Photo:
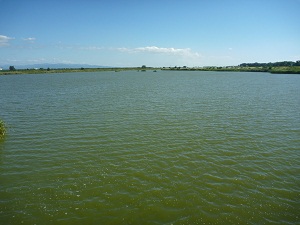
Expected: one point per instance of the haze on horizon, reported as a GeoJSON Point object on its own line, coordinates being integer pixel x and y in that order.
{"type": "Point", "coordinates": [153, 33]}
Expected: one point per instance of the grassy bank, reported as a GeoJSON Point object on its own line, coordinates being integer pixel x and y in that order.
{"type": "Point", "coordinates": [293, 69]}
{"type": "Point", "coordinates": [279, 69]}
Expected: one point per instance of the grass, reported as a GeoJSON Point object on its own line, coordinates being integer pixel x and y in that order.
{"type": "Point", "coordinates": [2, 130]}
{"type": "Point", "coordinates": [285, 69]}
{"type": "Point", "coordinates": [277, 69]}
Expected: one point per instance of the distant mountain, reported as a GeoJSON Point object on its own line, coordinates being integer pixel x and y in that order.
{"type": "Point", "coordinates": [53, 66]}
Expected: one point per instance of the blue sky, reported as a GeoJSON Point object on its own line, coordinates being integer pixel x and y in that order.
{"type": "Point", "coordinates": [152, 33]}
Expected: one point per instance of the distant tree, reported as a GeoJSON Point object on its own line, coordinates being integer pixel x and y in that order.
{"type": "Point", "coordinates": [143, 68]}
{"type": "Point", "coordinates": [12, 68]}
{"type": "Point", "coordinates": [48, 69]}
{"type": "Point", "coordinates": [275, 64]}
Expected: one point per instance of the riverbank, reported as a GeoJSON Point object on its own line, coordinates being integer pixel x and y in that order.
{"type": "Point", "coordinates": [73, 70]}
{"type": "Point", "coordinates": [275, 70]}
{"type": "Point", "coordinates": [278, 70]}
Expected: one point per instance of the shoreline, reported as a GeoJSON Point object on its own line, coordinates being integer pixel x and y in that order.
{"type": "Point", "coordinates": [71, 70]}
{"type": "Point", "coordinates": [272, 70]}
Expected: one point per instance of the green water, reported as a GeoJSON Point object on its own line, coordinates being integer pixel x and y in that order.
{"type": "Point", "coordinates": [150, 148]}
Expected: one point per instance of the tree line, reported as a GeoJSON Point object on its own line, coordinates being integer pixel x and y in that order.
{"type": "Point", "coordinates": [270, 64]}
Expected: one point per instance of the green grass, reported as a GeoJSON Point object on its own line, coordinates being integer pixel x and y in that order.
{"type": "Point", "coordinates": [277, 69]}
{"type": "Point", "coordinates": [2, 129]}
{"type": "Point", "coordinates": [285, 69]}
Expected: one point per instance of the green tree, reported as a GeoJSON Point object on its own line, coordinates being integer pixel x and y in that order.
{"type": "Point", "coordinates": [143, 68]}
{"type": "Point", "coordinates": [12, 68]}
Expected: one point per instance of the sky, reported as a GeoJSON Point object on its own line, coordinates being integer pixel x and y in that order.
{"type": "Point", "coordinates": [156, 33]}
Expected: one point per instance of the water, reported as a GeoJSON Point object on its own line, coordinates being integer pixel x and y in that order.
{"type": "Point", "coordinates": [150, 148]}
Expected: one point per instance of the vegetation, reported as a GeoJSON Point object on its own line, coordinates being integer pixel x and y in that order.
{"type": "Point", "coordinates": [144, 68]}
{"type": "Point", "coordinates": [68, 70]}
{"type": "Point", "coordinates": [278, 67]}
{"type": "Point", "coordinates": [12, 68]}
{"type": "Point", "coordinates": [276, 64]}
{"type": "Point", "coordinates": [2, 130]}
{"type": "Point", "coordinates": [281, 69]}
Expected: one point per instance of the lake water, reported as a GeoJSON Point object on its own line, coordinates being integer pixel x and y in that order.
{"type": "Point", "coordinates": [150, 148]}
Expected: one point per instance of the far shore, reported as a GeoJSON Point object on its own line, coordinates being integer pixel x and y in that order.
{"type": "Point", "coordinates": [275, 69]}
{"type": "Point", "coordinates": [71, 70]}
{"type": "Point", "coordinates": [278, 70]}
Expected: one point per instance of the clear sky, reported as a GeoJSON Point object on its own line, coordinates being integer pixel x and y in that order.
{"type": "Point", "coordinates": [149, 32]}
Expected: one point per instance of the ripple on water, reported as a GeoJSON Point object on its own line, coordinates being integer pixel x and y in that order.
{"type": "Point", "coordinates": [161, 149]}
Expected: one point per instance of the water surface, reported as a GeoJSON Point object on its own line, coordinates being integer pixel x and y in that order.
{"type": "Point", "coordinates": [150, 148]}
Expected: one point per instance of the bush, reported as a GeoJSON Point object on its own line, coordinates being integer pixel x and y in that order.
{"type": "Point", "coordinates": [2, 129]}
